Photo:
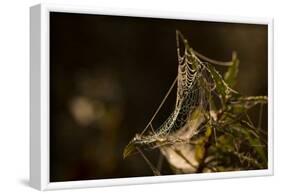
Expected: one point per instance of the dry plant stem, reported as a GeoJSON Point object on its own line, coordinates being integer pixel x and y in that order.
{"type": "Point", "coordinates": [249, 119]}
{"type": "Point", "coordinates": [160, 162]}
{"type": "Point", "coordinates": [185, 159]}
{"type": "Point", "coordinates": [152, 128]}
{"type": "Point", "coordinates": [154, 170]}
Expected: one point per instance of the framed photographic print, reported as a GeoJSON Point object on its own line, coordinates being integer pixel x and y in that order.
{"type": "Point", "coordinates": [124, 96]}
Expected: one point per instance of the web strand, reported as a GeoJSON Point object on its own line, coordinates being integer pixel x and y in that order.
{"type": "Point", "coordinates": [160, 106]}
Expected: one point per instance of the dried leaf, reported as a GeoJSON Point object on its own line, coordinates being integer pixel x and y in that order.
{"type": "Point", "coordinates": [129, 149]}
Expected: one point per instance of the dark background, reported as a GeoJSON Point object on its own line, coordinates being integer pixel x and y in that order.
{"type": "Point", "coordinates": [108, 74]}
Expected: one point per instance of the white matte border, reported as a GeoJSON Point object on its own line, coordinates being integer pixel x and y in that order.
{"type": "Point", "coordinates": [43, 158]}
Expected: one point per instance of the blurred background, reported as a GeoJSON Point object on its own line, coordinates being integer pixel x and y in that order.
{"type": "Point", "coordinates": [108, 74]}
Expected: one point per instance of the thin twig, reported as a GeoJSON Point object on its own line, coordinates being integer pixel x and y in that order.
{"type": "Point", "coordinates": [154, 170]}
{"type": "Point", "coordinates": [160, 162]}
{"type": "Point", "coordinates": [249, 119]}
{"type": "Point", "coordinates": [184, 158]}
{"type": "Point", "coordinates": [152, 128]}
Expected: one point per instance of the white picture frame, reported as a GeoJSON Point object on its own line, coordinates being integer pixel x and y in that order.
{"type": "Point", "coordinates": [39, 102]}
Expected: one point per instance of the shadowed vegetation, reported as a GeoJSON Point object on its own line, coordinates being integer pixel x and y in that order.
{"type": "Point", "coordinates": [210, 129]}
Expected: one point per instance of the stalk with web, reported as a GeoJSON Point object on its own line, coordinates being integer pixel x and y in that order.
{"type": "Point", "coordinates": [204, 132]}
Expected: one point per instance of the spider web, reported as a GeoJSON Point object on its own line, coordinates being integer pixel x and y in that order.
{"type": "Point", "coordinates": [193, 90]}
{"type": "Point", "coordinates": [199, 85]}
